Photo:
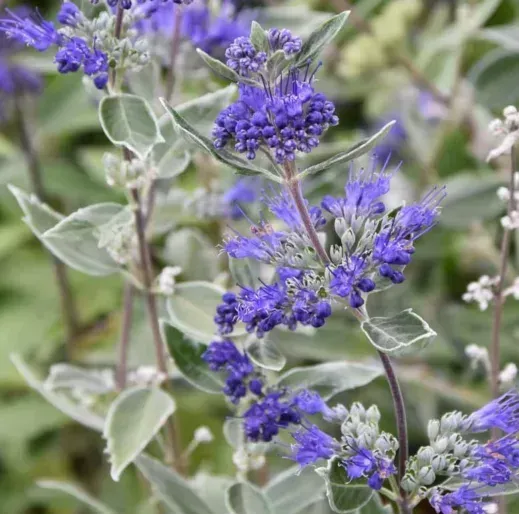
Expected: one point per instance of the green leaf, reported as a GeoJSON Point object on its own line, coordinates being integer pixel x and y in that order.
{"type": "Point", "coordinates": [355, 151]}
{"type": "Point", "coordinates": [76, 492]}
{"type": "Point", "coordinates": [76, 239]}
{"type": "Point", "coordinates": [505, 35]}
{"type": "Point", "coordinates": [259, 37]}
{"type": "Point", "coordinates": [330, 378]}
{"type": "Point", "coordinates": [171, 488]}
{"type": "Point", "coordinates": [294, 489]}
{"type": "Point", "coordinates": [193, 136]}
{"type": "Point", "coordinates": [75, 411]}
{"type": "Point", "coordinates": [132, 421]}
{"type": "Point", "coordinates": [192, 309]}
{"type": "Point", "coordinates": [265, 354]}
{"type": "Point", "coordinates": [188, 358]}
{"type": "Point", "coordinates": [245, 272]}
{"type": "Point", "coordinates": [244, 498]}
{"type": "Point", "coordinates": [402, 334]}
{"type": "Point", "coordinates": [174, 161]}
{"type": "Point", "coordinates": [128, 120]}
{"type": "Point", "coordinates": [68, 376]}
{"type": "Point", "coordinates": [342, 496]}
{"type": "Point", "coordinates": [320, 38]}
{"type": "Point", "coordinates": [471, 198]}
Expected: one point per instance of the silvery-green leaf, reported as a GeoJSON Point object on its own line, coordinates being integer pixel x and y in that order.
{"type": "Point", "coordinates": [233, 432]}
{"type": "Point", "coordinates": [187, 355]}
{"type": "Point", "coordinates": [128, 120]}
{"type": "Point", "coordinates": [320, 38]}
{"type": "Point", "coordinates": [171, 488]}
{"type": "Point", "coordinates": [245, 272]}
{"type": "Point", "coordinates": [330, 378]}
{"type": "Point", "coordinates": [244, 498]}
{"type": "Point", "coordinates": [505, 35]}
{"type": "Point", "coordinates": [343, 497]}
{"type": "Point", "coordinates": [76, 492]}
{"type": "Point", "coordinates": [68, 376]}
{"type": "Point", "coordinates": [294, 489]}
{"type": "Point", "coordinates": [242, 166]}
{"type": "Point", "coordinates": [352, 153]}
{"type": "Point", "coordinates": [174, 161]}
{"type": "Point", "coordinates": [297, 18]}
{"type": "Point", "coordinates": [471, 198]}
{"type": "Point", "coordinates": [401, 334]}
{"type": "Point", "coordinates": [194, 252]}
{"type": "Point", "coordinates": [506, 489]}
{"type": "Point", "coordinates": [259, 37]}
{"type": "Point", "coordinates": [224, 71]}
{"type": "Point", "coordinates": [265, 353]}
{"type": "Point", "coordinates": [192, 309]}
{"type": "Point", "coordinates": [212, 489]}
{"type": "Point", "coordinates": [76, 238]}
{"type": "Point", "coordinates": [77, 412]}
{"type": "Point", "coordinates": [132, 421]}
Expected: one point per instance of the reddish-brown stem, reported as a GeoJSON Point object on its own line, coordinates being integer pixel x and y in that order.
{"type": "Point", "coordinates": [119, 15]}
{"type": "Point", "coordinates": [124, 341]}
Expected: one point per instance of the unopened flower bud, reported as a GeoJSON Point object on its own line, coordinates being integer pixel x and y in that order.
{"type": "Point", "coordinates": [373, 414]}
{"type": "Point", "coordinates": [426, 475]}
{"type": "Point", "coordinates": [509, 111]}
{"type": "Point", "coordinates": [438, 463]}
{"type": "Point", "coordinates": [433, 429]}
{"type": "Point", "coordinates": [425, 455]}
{"type": "Point", "coordinates": [441, 444]}
{"type": "Point", "coordinates": [410, 483]}
{"type": "Point", "coordinates": [203, 434]}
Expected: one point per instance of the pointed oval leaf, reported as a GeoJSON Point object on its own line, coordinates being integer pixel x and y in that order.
{"type": "Point", "coordinates": [259, 37]}
{"type": "Point", "coordinates": [245, 272]}
{"type": "Point", "coordinates": [330, 378]}
{"type": "Point", "coordinates": [171, 488]}
{"type": "Point", "coordinates": [76, 492]}
{"type": "Point", "coordinates": [77, 412]}
{"type": "Point", "coordinates": [343, 497]}
{"type": "Point", "coordinates": [173, 162]}
{"type": "Point", "coordinates": [128, 120]}
{"type": "Point", "coordinates": [402, 334]}
{"type": "Point", "coordinates": [244, 498]}
{"type": "Point", "coordinates": [352, 153]}
{"type": "Point", "coordinates": [68, 376]}
{"type": "Point", "coordinates": [224, 71]}
{"type": "Point", "coordinates": [265, 354]}
{"type": "Point", "coordinates": [192, 309]}
{"type": "Point", "coordinates": [188, 358]}
{"type": "Point", "coordinates": [320, 38]}
{"type": "Point", "coordinates": [241, 166]}
{"type": "Point", "coordinates": [132, 421]}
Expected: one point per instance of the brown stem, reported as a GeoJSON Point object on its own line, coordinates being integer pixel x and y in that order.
{"type": "Point", "coordinates": [173, 54]}
{"type": "Point", "coordinates": [173, 454]}
{"type": "Point", "coordinates": [67, 301]}
{"type": "Point", "coordinates": [118, 28]}
{"type": "Point", "coordinates": [399, 58]}
{"type": "Point", "coordinates": [124, 341]}
{"type": "Point", "coordinates": [294, 187]}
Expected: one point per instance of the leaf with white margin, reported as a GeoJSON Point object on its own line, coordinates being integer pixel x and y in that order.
{"type": "Point", "coordinates": [177, 495]}
{"type": "Point", "coordinates": [343, 496]}
{"type": "Point", "coordinates": [76, 492]}
{"type": "Point", "coordinates": [192, 309]}
{"type": "Point", "coordinates": [68, 376]}
{"type": "Point", "coordinates": [330, 378]}
{"type": "Point", "coordinates": [132, 421]}
{"type": "Point", "coordinates": [244, 498]}
{"type": "Point", "coordinates": [128, 120]}
{"type": "Point", "coordinates": [265, 353]}
{"type": "Point", "coordinates": [351, 153]}
{"type": "Point", "coordinates": [75, 411]}
{"type": "Point", "coordinates": [402, 334]}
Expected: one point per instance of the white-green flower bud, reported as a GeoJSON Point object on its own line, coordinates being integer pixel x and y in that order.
{"type": "Point", "coordinates": [438, 462]}
{"type": "Point", "coordinates": [373, 414]}
{"type": "Point", "coordinates": [424, 455]}
{"type": "Point", "coordinates": [510, 110]}
{"type": "Point", "coordinates": [409, 483]}
{"type": "Point", "coordinates": [336, 254]}
{"type": "Point", "coordinates": [433, 429]}
{"type": "Point", "coordinates": [426, 475]}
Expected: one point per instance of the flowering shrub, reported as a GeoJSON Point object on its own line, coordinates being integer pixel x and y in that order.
{"type": "Point", "coordinates": [226, 279]}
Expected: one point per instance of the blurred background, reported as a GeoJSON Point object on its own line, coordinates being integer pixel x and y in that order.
{"type": "Point", "coordinates": [441, 69]}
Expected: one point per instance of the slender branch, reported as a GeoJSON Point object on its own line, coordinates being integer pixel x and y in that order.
{"type": "Point", "coordinates": [294, 187]}
{"type": "Point", "coordinates": [173, 54]}
{"type": "Point", "coordinates": [67, 301]}
{"type": "Point", "coordinates": [124, 341]}
{"type": "Point", "coordinates": [398, 57]}
{"type": "Point", "coordinates": [172, 443]}
{"type": "Point", "coordinates": [495, 347]}
{"type": "Point", "coordinates": [118, 28]}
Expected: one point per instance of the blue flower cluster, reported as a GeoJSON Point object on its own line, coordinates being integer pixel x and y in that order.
{"type": "Point", "coordinates": [482, 465]}
{"type": "Point", "coordinates": [243, 58]}
{"type": "Point", "coordinates": [284, 40]}
{"type": "Point", "coordinates": [286, 118]}
{"type": "Point", "coordinates": [244, 191]}
{"type": "Point", "coordinates": [271, 409]}
{"type": "Point", "coordinates": [127, 4]}
{"type": "Point", "coordinates": [208, 30]}
{"type": "Point", "coordinates": [73, 52]}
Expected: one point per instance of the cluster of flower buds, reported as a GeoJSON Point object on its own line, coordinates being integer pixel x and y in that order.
{"type": "Point", "coordinates": [166, 281]}
{"type": "Point", "coordinates": [482, 291]}
{"type": "Point", "coordinates": [121, 173]}
{"type": "Point", "coordinates": [119, 240]}
{"type": "Point", "coordinates": [507, 129]}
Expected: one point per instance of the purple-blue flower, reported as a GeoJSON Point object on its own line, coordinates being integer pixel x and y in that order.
{"type": "Point", "coordinates": [69, 14]}
{"type": "Point", "coordinates": [466, 497]}
{"type": "Point", "coordinates": [502, 413]}
{"type": "Point", "coordinates": [243, 58]}
{"type": "Point", "coordinates": [366, 464]}
{"type": "Point", "coordinates": [349, 281]}
{"type": "Point", "coordinates": [284, 40]}
{"type": "Point", "coordinates": [312, 444]}
{"type": "Point", "coordinates": [243, 191]}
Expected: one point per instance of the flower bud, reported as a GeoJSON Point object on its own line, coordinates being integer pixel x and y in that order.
{"type": "Point", "coordinates": [409, 483]}
{"type": "Point", "coordinates": [433, 429]}
{"type": "Point", "coordinates": [438, 462]}
{"type": "Point", "coordinates": [203, 434]}
{"type": "Point", "coordinates": [373, 414]}
{"type": "Point", "coordinates": [424, 455]}
{"type": "Point", "coordinates": [426, 475]}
